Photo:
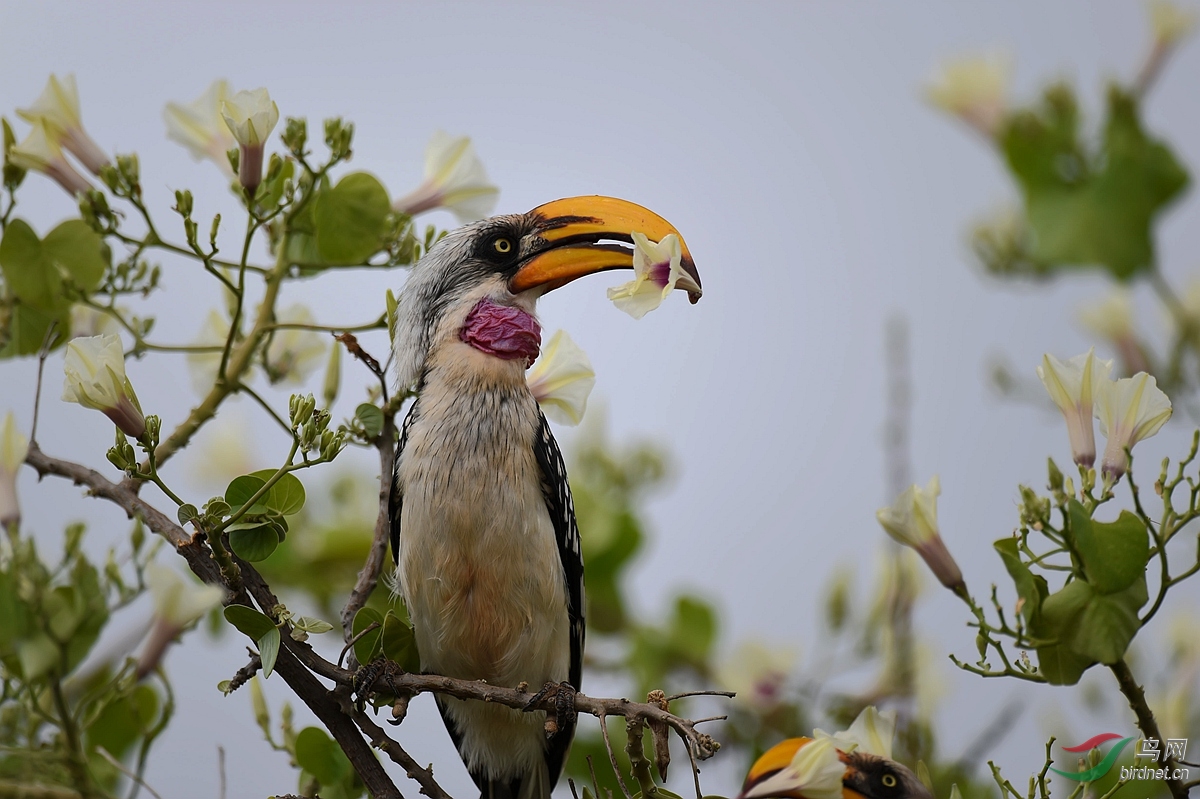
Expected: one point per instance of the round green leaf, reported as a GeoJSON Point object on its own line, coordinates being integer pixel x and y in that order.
{"type": "Point", "coordinates": [286, 496]}
{"type": "Point", "coordinates": [242, 488]}
{"type": "Point", "coordinates": [77, 249]}
{"type": "Point", "coordinates": [371, 418]}
{"type": "Point", "coordinates": [399, 644]}
{"type": "Point", "coordinates": [28, 272]}
{"type": "Point", "coordinates": [349, 219]}
{"type": "Point", "coordinates": [366, 648]}
{"type": "Point", "coordinates": [254, 542]}
{"type": "Point", "coordinates": [317, 754]}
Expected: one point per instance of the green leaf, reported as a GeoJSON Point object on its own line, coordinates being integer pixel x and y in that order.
{"type": "Point", "coordinates": [241, 489]}
{"type": "Point", "coordinates": [317, 754]}
{"type": "Point", "coordinates": [1084, 208]}
{"type": "Point", "coordinates": [693, 628]}
{"type": "Point", "coordinates": [1114, 553]}
{"type": "Point", "coordinates": [1030, 587]}
{"type": "Point", "coordinates": [259, 627]}
{"type": "Point", "coordinates": [371, 418]}
{"type": "Point", "coordinates": [37, 655]}
{"type": "Point", "coordinates": [349, 219]}
{"type": "Point", "coordinates": [1109, 623]}
{"type": "Point", "coordinates": [1058, 661]}
{"type": "Point", "coordinates": [310, 625]}
{"type": "Point", "coordinates": [253, 541]}
{"type": "Point", "coordinates": [187, 512]}
{"type": "Point", "coordinates": [399, 644]}
{"type": "Point", "coordinates": [34, 269]}
{"type": "Point", "coordinates": [74, 247]}
{"type": "Point", "coordinates": [286, 496]}
{"type": "Point", "coordinates": [367, 648]}
{"type": "Point", "coordinates": [124, 721]}
{"type": "Point", "coordinates": [25, 330]}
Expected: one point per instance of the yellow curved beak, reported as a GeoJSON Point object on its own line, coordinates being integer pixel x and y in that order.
{"type": "Point", "coordinates": [582, 235]}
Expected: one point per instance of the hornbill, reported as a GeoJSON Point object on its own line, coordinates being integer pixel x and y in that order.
{"type": "Point", "coordinates": [867, 776]}
{"type": "Point", "coordinates": [483, 527]}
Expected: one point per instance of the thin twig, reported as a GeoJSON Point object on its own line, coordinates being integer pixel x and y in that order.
{"type": "Point", "coordinates": [726, 694]}
{"type": "Point", "coordinates": [381, 741]}
{"type": "Point", "coordinates": [43, 354]}
{"type": "Point", "coordinates": [221, 768]}
{"type": "Point", "coordinates": [119, 766]}
{"type": "Point", "coordinates": [612, 757]}
{"type": "Point", "coordinates": [368, 576]}
{"type": "Point", "coordinates": [372, 626]}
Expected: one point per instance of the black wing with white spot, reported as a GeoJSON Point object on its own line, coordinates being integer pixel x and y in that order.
{"type": "Point", "coordinates": [557, 493]}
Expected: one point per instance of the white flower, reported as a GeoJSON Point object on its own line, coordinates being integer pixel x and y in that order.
{"type": "Point", "coordinates": [758, 674]}
{"type": "Point", "coordinates": [13, 449]}
{"type": "Point", "coordinates": [1073, 386]}
{"type": "Point", "coordinates": [815, 771]}
{"type": "Point", "coordinates": [294, 353]}
{"type": "Point", "coordinates": [1130, 409]}
{"type": "Point", "coordinates": [251, 116]}
{"type": "Point", "coordinates": [871, 732]}
{"type": "Point", "coordinates": [974, 88]}
{"type": "Point", "coordinates": [58, 109]}
{"type": "Point", "coordinates": [95, 378]}
{"type": "Point", "coordinates": [200, 128]}
{"type": "Point", "coordinates": [1111, 317]}
{"type": "Point", "coordinates": [41, 151]}
{"type": "Point", "coordinates": [1169, 22]}
{"type": "Point", "coordinates": [88, 321]}
{"type": "Point", "coordinates": [205, 365]}
{"type": "Point", "coordinates": [657, 269]}
{"type": "Point", "coordinates": [561, 379]}
{"type": "Point", "coordinates": [454, 179]}
{"type": "Point", "coordinates": [177, 600]}
{"type": "Point", "coordinates": [912, 521]}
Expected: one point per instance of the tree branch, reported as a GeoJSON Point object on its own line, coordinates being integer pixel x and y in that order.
{"type": "Point", "coordinates": [368, 577]}
{"type": "Point", "coordinates": [1146, 722]}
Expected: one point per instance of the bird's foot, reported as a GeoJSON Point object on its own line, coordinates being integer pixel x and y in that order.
{"type": "Point", "coordinates": [564, 705]}
{"type": "Point", "coordinates": [368, 677]}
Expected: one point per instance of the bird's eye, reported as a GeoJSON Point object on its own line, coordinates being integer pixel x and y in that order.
{"type": "Point", "coordinates": [889, 781]}
{"type": "Point", "coordinates": [502, 246]}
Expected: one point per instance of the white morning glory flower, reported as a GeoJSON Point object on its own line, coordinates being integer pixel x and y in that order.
{"type": "Point", "coordinates": [1130, 409]}
{"type": "Point", "coordinates": [58, 109]}
{"type": "Point", "coordinates": [561, 379]}
{"type": "Point", "coordinates": [200, 128]}
{"type": "Point", "coordinates": [95, 378]}
{"type": "Point", "coordinates": [454, 179]}
{"type": "Point", "coordinates": [1073, 386]}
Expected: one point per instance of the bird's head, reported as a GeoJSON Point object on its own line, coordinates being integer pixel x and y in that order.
{"type": "Point", "coordinates": [480, 283]}
{"type": "Point", "coordinates": [781, 774]}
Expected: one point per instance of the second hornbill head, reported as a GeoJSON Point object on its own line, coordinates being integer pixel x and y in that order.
{"type": "Point", "coordinates": [866, 776]}
{"type": "Point", "coordinates": [479, 284]}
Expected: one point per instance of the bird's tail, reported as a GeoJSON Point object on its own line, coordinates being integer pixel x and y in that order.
{"type": "Point", "coordinates": [532, 785]}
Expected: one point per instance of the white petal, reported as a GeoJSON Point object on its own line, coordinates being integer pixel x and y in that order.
{"type": "Point", "coordinates": [13, 446]}
{"type": "Point", "coordinates": [251, 116]}
{"type": "Point", "coordinates": [912, 518]}
{"type": "Point", "coordinates": [57, 106]}
{"type": "Point", "coordinates": [871, 732]}
{"type": "Point", "coordinates": [95, 372]}
{"type": "Point", "coordinates": [177, 600]}
{"type": "Point", "coordinates": [637, 298]}
{"type": "Point", "coordinates": [199, 126]}
{"type": "Point", "coordinates": [561, 379]}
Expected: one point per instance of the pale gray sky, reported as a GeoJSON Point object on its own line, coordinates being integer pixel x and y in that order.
{"type": "Point", "coordinates": [818, 193]}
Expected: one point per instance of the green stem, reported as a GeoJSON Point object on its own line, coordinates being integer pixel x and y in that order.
{"type": "Point", "coordinates": [639, 766]}
{"type": "Point", "coordinates": [262, 492]}
{"type": "Point", "coordinates": [76, 761]}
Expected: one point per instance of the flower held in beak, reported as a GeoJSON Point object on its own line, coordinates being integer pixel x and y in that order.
{"type": "Point", "coordinates": [656, 270]}
{"type": "Point", "coordinates": [95, 378]}
{"type": "Point", "coordinates": [815, 772]}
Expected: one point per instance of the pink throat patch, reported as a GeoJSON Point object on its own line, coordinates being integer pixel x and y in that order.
{"type": "Point", "coordinates": [503, 331]}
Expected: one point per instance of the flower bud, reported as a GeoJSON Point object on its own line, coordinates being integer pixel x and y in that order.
{"type": "Point", "coordinates": [95, 378]}
{"type": "Point", "coordinates": [251, 116]}
{"type": "Point", "coordinates": [13, 449]}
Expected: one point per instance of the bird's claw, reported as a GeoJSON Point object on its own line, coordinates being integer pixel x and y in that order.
{"type": "Point", "coordinates": [365, 679]}
{"type": "Point", "coordinates": [564, 705]}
